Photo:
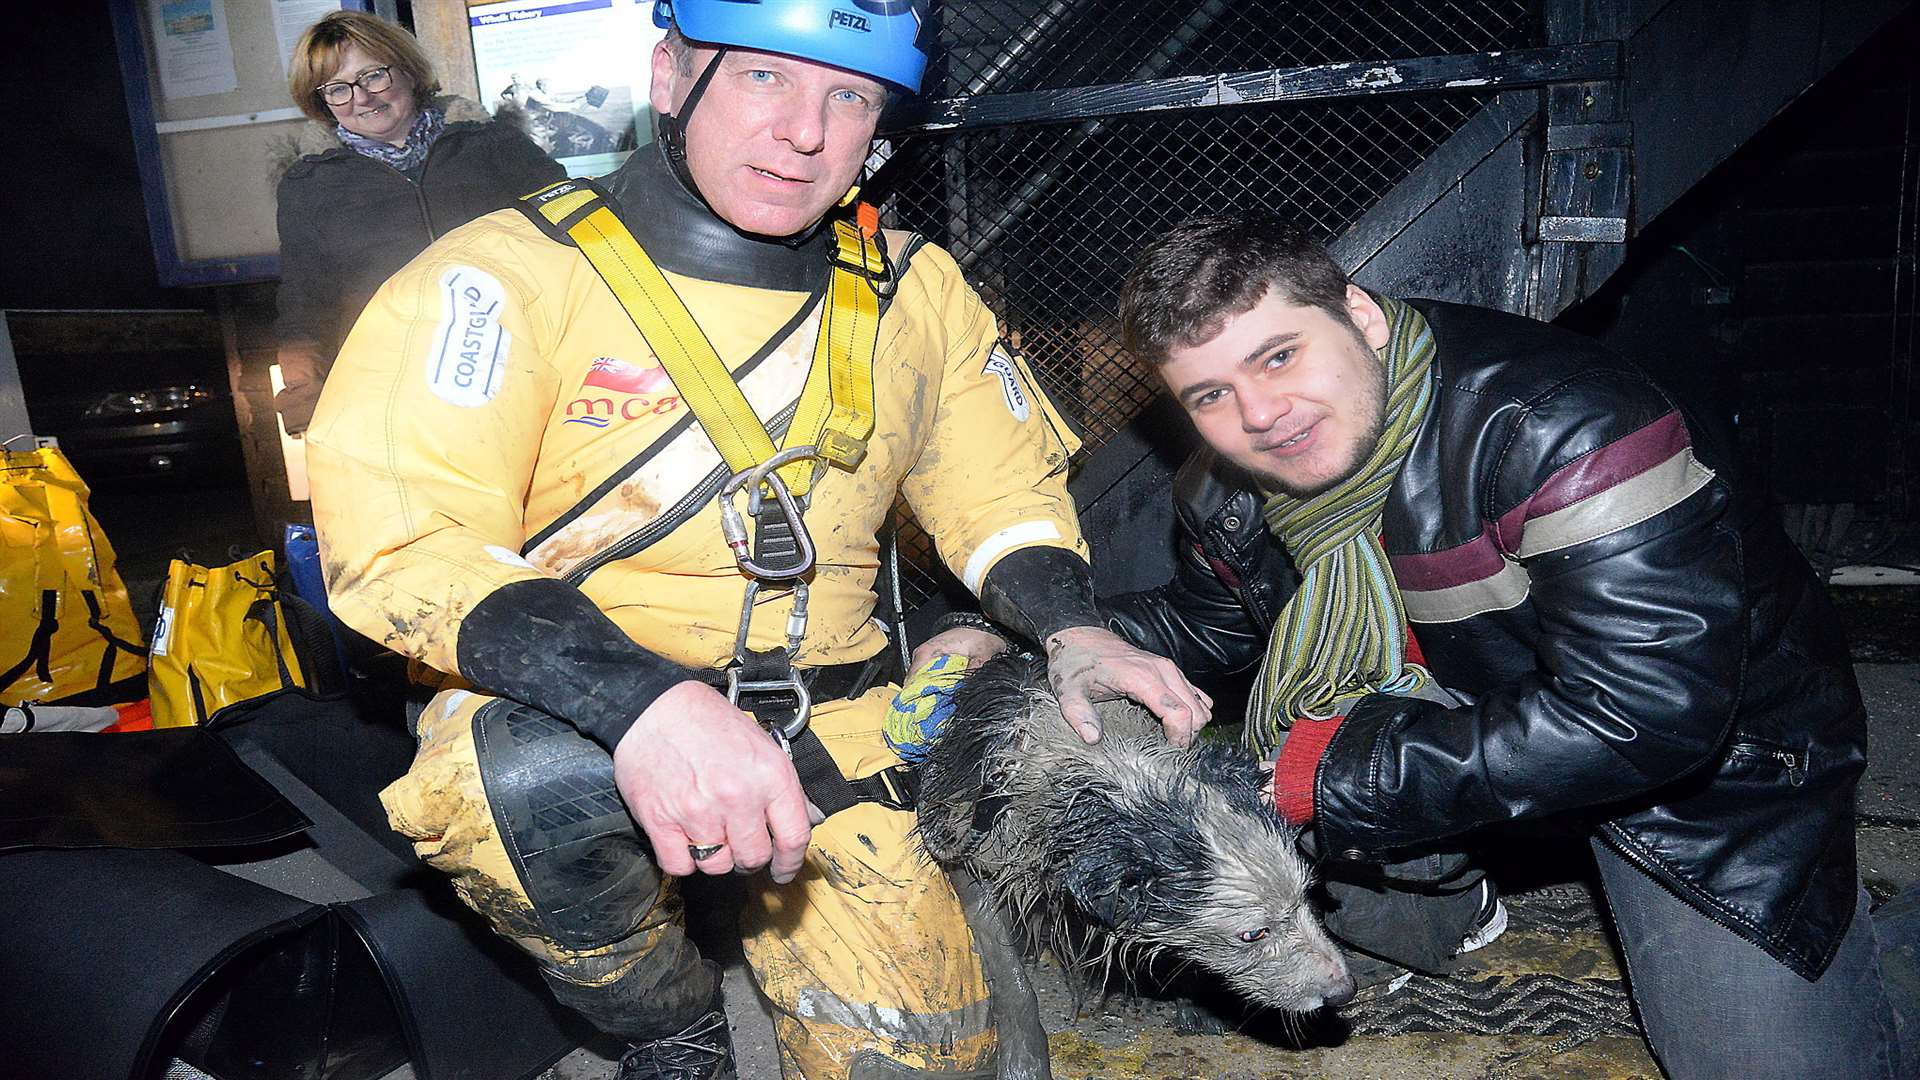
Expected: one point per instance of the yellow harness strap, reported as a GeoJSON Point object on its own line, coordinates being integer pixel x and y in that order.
{"type": "Point", "coordinates": [836, 404]}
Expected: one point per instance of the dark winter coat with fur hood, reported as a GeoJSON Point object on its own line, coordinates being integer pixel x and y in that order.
{"type": "Point", "coordinates": [1644, 651]}
{"type": "Point", "coordinates": [347, 222]}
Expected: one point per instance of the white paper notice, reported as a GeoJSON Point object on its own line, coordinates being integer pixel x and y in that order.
{"type": "Point", "coordinates": [191, 48]}
{"type": "Point", "coordinates": [291, 19]}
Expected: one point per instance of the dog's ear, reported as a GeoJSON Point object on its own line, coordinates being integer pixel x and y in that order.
{"type": "Point", "coordinates": [1111, 880]}
{"type": "Point", "coordinates": [1109, 896]}
{"type": "Point", "coordinates": [1109, 876]}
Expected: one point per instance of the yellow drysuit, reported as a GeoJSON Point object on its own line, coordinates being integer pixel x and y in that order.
{"type": "Point", "coordinates": [494, 418]}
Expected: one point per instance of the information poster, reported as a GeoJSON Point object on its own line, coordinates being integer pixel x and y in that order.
{"type": "Point", "coordinates": [572, 74]}
{"type": "Point", "coordinates": [192, 49]}
{"type": "Point", "coordinates": [291, 19]}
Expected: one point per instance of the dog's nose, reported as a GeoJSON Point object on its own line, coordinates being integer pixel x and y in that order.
{"type": "Point", "coordinates": [1341, 992]}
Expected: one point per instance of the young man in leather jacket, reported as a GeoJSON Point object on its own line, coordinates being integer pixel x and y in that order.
{"type": "Point", "coordinates": [1626, 639]}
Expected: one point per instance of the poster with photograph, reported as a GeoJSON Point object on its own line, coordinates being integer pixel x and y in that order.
{"type": "Point", "coordinates": [191, 48]}
{"type": "Point", "coordinates": [572, 74]}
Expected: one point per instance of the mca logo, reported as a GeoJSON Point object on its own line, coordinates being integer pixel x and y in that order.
{"type": "Point", "coordinates": [599, 412]}
{"type": "Point", "coordinates": [638, 387]}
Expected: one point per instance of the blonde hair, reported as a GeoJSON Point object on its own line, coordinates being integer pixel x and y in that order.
{"type": "Point", "coordinates": [318, 52]}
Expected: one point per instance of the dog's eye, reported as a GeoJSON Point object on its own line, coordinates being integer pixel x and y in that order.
{"type": "Point", "coordinates": [1251, 936]}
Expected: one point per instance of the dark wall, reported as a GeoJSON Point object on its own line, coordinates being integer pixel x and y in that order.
{"type": "Point", "coordinates": [1774, 294]}
{"type": "Point", "coordinates": [73, 225]}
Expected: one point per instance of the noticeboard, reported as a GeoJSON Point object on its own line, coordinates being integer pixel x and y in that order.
{"type": "Point", "coordinates": [572, 74]}
{"type": "Point", "coordinates": [206, 86]}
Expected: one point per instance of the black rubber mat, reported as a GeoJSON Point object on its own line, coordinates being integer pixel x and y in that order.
{"type": "Point", "coordinates": [1494, 994]}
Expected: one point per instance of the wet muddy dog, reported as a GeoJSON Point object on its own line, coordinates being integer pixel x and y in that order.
{"type": "Point", "coordinates": [1150, 848]}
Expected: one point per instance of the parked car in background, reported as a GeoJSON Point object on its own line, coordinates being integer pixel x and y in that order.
{"type": "Point", "coordinates": [134, 397]}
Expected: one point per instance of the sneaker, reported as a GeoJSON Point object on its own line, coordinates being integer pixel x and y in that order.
{"type": "Point", "coordinates": [1489, 924]}
{"type": "Point", "coordinates": [703, 1050]}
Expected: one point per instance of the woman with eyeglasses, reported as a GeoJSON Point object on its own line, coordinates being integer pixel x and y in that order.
{"type": "Point", "coordinates": [388, 165]}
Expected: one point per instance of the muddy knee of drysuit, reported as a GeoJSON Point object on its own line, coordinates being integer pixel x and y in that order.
{"type": "Point", "coordinates": [520, 810]}
{"type": "Point", "coordinates": [637, 998]}
{"type": "Point", "coordinates": [868, 952]}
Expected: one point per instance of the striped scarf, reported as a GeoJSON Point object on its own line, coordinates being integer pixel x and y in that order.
{"type": "Point", "coordinates": [406, 157]}
{"type": "Point", "coordinates": [1344, 632]}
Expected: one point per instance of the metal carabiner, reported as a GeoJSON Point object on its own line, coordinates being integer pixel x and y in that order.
{"type": "Point", "coordinates": [746, 621]}
{"type": "Point", "coordinates": [796, 619]}
{"type": "Point", "coordinates": [791, 683]}
{"type": "Point", "coordinates": [734, 528]}
{"type": "Point", "coordinates": [760, 479]}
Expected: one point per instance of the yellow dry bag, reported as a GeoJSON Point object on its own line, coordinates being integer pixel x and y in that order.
{"type": "Point", "coordinates": [226, 636]}
{"type": "Point", "coordinates": [67, 632]}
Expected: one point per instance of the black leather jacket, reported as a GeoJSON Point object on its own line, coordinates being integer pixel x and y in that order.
{"type": "Point", "coordinates": [1641, 643]}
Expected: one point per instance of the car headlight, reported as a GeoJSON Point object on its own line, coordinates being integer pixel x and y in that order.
{"type": "Point", "coordinates": [151, 400]}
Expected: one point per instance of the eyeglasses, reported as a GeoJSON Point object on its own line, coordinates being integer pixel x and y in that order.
{"type": "Point", "coordinates": [377, 81]}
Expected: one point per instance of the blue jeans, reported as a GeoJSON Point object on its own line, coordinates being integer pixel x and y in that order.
{"type": "Point", "coordinates": [1715, 1005]}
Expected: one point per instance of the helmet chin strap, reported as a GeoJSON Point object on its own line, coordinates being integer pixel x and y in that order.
{"type": "Point", "coordinates": [673, 130]}
{"type": "Point", "coordinates": [672, 133]}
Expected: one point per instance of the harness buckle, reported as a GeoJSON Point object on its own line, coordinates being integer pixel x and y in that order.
{"type": "Point", "coordinates": [857, 249]}
{"type": "Point", "coordinates": [792, 686]}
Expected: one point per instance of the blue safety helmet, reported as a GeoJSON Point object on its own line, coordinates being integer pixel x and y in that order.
{"type": "Point", "coordinates": [877, 38]}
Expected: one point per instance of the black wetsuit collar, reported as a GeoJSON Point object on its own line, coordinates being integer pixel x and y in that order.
{"type": "Point", "coordinates": [684, 237]}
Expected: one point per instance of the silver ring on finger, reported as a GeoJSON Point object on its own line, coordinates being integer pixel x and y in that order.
{"type": "Point", "coordinates": [703, 852]}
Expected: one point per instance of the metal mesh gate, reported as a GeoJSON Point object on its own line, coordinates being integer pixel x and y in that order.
{"type": "Point", "coordinates": [1045, 218]}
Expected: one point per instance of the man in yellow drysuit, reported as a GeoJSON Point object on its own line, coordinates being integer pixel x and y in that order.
{"type": "Point", "coordinates": [515, 485]}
